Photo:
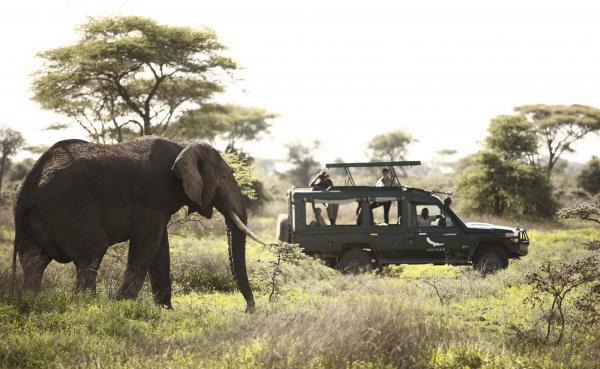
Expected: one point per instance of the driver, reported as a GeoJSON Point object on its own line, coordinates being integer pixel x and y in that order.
{"type": "Point", "coordinates": [424, 218]}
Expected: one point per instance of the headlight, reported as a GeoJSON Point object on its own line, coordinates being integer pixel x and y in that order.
{"type": "Point", "coordinates": [514, 237]}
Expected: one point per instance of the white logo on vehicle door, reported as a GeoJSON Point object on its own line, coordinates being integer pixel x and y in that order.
{"type": "Point", "coordinates": [434, 244]}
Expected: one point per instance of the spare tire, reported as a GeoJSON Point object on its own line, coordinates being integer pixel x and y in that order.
{"type": "Point", "coordinates": [283, 227]}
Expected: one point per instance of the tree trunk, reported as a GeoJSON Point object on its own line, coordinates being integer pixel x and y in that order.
{"type": "Point", "coordinates": [2, 168]}
{"type": "Point", "coordinates": [147, 127]}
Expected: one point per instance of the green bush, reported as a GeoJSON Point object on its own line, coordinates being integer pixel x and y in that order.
{"type": "Point", "coordinates": [589, 177]}
{"type": "Point", "coordinates": [497, 186]}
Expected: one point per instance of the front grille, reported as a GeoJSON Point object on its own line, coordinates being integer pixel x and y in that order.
{"type": "Point", "coordinates": [523, 236]}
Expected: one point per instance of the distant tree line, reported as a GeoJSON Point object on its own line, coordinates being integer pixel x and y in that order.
{"type": "Point", "coordinates": [512, 174]}
{"type": "Point", "coordinates": [130, 76]}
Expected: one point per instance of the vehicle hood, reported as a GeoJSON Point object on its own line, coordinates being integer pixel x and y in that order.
{"type": "Point", "coordinates": [490, 228]}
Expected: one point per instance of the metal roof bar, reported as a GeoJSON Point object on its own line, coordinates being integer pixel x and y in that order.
{"type": "Point", "coordinates": [374, 164]}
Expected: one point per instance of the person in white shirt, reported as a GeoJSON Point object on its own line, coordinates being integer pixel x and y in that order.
{"type": "Point", "coordinates": [385, 181]}
{"type": "Point", "coordinates": [424, 219]}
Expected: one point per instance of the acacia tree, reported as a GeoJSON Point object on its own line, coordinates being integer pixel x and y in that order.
{"type": "Point", "coordinates": [513, 137]}
{"type": "Point", "coordinates": [589, 177]}
{"type": "Point", "coordinates": [10, 142]}
{"type": "Point", "coordinates": [505, 176]}
{"type": "Point", "coordinates": [559, 126]}
{"type": "Point", "coordinates": [304, 164]}
{"type": "Point", "coordinates": [232, 123]}
{"type": "Point", "coordinates": [589, 211]}
{"type": "Point", "coordinates": [130, 75]}
{"type": "Point", "coordinates": [493, 185]}
{"type": "Point", "coordinates": [392, 145]}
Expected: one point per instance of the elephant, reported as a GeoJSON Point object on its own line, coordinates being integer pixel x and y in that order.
{"type": "Point", "coordinates": [80, 198]}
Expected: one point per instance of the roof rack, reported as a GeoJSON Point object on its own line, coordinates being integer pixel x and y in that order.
{"type": "Point", "coordinates": [388, 164]}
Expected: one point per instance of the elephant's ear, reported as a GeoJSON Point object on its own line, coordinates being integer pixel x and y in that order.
{"type": "Point", "coordinates": [187, 168]}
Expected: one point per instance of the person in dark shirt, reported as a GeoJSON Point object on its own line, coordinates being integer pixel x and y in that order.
{"type": "Point", "coordinates": [323, 182]}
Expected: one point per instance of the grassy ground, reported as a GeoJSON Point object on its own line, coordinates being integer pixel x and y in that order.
{"type": "Point", "coordinates": [410, 317]}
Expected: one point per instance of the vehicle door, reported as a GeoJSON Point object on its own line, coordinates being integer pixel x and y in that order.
{"type": "Point", "coordinates": [315, 233]}
{"type": "Point", "coordinates": [387, 238]}
{"type": "Point", "coordinates": [430, 233]}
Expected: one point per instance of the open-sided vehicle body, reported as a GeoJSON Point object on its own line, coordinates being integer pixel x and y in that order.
{"type": "Point", "coordinates": [358, 240]}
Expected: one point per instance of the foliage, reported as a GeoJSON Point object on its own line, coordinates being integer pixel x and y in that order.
{"type": "Point", "coordinates": [19, 170]}
{"type": "Point", "coordinates": [589, 177]}
{"type": "Point", "coordinates": [130, 74]}
{"type": "Point", "coordinates": [10, 142]}
{"type": "Point", "coordinates": [232, 123]}
{"type": "Point", "coordinates": [244, 174]}
{"type": "Point", "coordinates": [390, 146]}
{"type": "Point", "coordinates": [285, 253]}
{"type": "Point", "coordinates": [497, 186]}
{"type": "Point", "coordinates": [301, 157]}
{"type": "Point", "coordinates": [257, 195]}
{"type": "Point", "coordinates": [589, 211]}
{"type": "Point", "coordinates": [513, 137]}
{"type": "Point", "coordinates": [559, 280]}
{"type": "Point", "coordinates": [559, 126]}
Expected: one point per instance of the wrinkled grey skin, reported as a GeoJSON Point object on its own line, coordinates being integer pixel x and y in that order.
{"type": "Point", "coordinates": [80, 198]}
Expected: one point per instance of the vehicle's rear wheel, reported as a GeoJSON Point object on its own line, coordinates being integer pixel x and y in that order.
{"type": "Point", "coordinates": [355, 261]}
{"type": "Point", "coordinates": [283, 228]}
{"type": "Point", "coordinates": [489, 260]}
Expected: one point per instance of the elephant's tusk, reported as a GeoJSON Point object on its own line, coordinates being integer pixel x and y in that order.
{"type": "Point", "coordinates": [238, 222]}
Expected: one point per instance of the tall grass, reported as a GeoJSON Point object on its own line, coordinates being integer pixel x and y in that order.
{"type": "Point", "coordinates": [324, 320]}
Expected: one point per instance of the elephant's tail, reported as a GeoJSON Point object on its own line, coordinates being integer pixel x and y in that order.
{"type": "Point", "coordinates": [13, 280]}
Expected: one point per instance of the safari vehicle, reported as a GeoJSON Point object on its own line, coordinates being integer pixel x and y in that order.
{"type": "Point", "coordinates": [358, 241]}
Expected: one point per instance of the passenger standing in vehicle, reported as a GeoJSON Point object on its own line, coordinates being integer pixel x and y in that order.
{"type": "Point", "coordinates": [323, 182]}
{"type": "Point", "coordinates": [385, 181]}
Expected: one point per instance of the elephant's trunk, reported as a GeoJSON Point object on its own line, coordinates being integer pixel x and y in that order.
{"type": "Point", "coordinates": [236, 239]}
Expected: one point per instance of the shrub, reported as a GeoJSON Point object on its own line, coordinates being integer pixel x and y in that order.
{"type": "Point", "coordinates": [497, 186]}
{"type": "Point", "coordinates": [553, 282]}
{"type": "Point", "coordinates": [589, 177]}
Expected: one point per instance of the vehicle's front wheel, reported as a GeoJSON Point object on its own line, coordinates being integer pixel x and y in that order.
{"type": "Point", "coordinates": [489, 260]}
{"type": "Point", "coordinates": [355, 261]}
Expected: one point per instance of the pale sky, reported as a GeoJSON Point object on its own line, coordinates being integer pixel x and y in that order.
{"type": "Point", "coordinates": [343, 71]}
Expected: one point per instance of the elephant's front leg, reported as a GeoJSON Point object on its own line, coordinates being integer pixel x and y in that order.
{"type": "Point", "coordinates": [160, 279]}
{"type": "Point", "coordinates": [144, 245]}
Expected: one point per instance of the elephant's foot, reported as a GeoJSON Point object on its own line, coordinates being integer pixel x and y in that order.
{"type": "Point", "coordinates": [131, 286]}
{"type": "Point", "coordinates": [86, 277]}
{"type": "Point", "coordinates": [33, 265]}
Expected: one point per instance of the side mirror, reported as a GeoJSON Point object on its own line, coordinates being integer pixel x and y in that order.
{"type": "Point", "coordinates": [442, 222]}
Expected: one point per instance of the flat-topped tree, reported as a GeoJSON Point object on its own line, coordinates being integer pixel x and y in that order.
{"type": "Point", "coordinates": [559, 126]}
{"type": "Point", "coordinates": [131, 75]}
{"type": "Point", "coordinates": [231, 123]}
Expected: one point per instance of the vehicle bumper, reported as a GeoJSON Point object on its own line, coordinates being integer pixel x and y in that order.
{"type": "Point", "coordinates": [520, 248]}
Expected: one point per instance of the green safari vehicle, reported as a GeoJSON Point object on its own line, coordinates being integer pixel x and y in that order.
{"type": "Point", "coordinates": [359, 241]}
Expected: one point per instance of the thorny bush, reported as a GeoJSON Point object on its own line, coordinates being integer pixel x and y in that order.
{"type": "Point", "coordinates": [554, 281]}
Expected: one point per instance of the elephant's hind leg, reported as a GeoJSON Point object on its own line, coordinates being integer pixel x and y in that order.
{"type": "Point", "coordinates": [160, 280]}
{"type": "Point", "coordinates": [33, 261]}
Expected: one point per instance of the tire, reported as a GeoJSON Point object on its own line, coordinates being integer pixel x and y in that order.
{"type": "Point", "coordinates": [355, 261]}
{"type": "Point", "coordinates": [283, 228]}
{"type": "Point", "coordinates": [489, 260]}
